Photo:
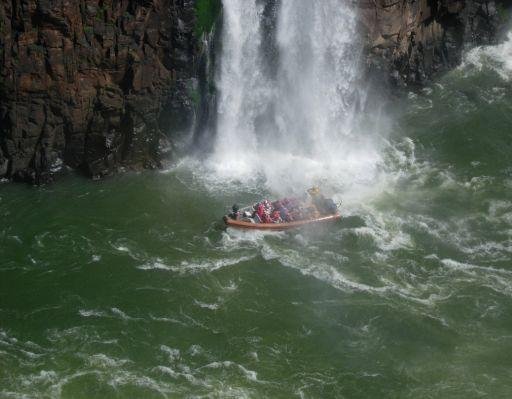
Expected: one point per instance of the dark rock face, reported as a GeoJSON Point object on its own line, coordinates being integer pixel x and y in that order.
{"type": "Point", "coordinates": [92, 84]}
{"type": "Point", "coordinates": [103, 85]}
{"type": "Point", "coordinates": [410, 40]}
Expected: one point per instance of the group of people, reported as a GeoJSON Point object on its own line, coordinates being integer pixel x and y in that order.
{"type": "Point", "coordinates": [287, 210]}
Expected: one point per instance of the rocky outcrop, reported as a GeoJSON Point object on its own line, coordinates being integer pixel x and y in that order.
{"type": "Point", "coordinates": [410, 40]}
{"type": "Point", "coordinates": [95, 85]}
{"type": "Point", "coordinates": [103, 85]}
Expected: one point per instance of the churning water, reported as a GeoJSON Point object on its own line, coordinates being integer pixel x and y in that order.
{"type": "Point", "coordinates": [130, 288]}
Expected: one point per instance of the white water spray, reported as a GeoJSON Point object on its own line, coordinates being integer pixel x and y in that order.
{"type": "Point", "coordinates": [497, 58]}
{"type": "Point", "coordinates": [299, 126]}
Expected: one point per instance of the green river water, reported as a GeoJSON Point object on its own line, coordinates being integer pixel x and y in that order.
{"type": "Point", "coordinates": [130, 287]}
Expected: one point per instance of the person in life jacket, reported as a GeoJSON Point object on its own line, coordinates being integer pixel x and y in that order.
{"type": "Point", "coordinates": [314, 191]}
{"type": "Point", "coordinates": [325, 206]}
{"type": "Point", "coordinates": [283, 211]}
{"type": "Point", "coordinates": [262, 213]}
{"type": "Point", "coordinates": [234, 212]}
{"type": "Point", "coordinates": [276, 217]}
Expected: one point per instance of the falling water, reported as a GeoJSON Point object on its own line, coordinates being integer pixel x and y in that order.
{"type": "Point", "coordinates": [301, 124]}
{"type": "Point", "coordinates": [244, 90]}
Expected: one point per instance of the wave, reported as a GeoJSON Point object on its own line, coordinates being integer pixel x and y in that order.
{"type": "Point", "coordinates": [249, 374]}
{"type": "Point", "coordinates": [112, 313]}
{"type": "Point", "coordinates": [186, 267]}
{"type": "Point", "coordinates": [497, 58]}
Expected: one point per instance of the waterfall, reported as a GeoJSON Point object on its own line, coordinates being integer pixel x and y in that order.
{"type": "Point", "coordinates": [290, 117]}
{"type": "Point", "coordinates": [318, 67]}
{"type": "Point", "coordinates": [244, 90]}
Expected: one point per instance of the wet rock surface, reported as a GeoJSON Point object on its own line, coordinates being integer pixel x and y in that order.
{"type": "Point", "coordinates": [101, 86]}
{"type": "Point", "coordinates": [85, 84]}
{"type": "Point", "coordinates": [411, 40]}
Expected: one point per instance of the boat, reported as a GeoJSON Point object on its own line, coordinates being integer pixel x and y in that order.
{"type": "Point", "coordinates": [247, 220]}
{"type": "Point", "coordinates": [241, 224]}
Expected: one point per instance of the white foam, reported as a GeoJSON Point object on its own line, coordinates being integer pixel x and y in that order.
{"type": "Point", "coordinates": [125, 248]}
{"type": "Point", "coordinates": [187, 376]}
{"type": "Point", "coordinates": [232, 286]}
{"type": "Point", "coordinates": [187, 267]}
{"type": "Point", "coordinates": [497, 58]}
{"type": "Point", "coordinates": [44, 377]}
{"type": "Point", "coordinates": [155, 265]}
{"type": "Point", "coordinates": [126, 378]}
{"type": "Point", "coordinates": [453, 264]}
{"type": "Point", "coordinates": [195, 350]}
{"type": "Point", "coordinates": [104, 361]}
{"type": "Point", "coordinates": [172, 354]}
{"type": "Point", "coordinates": [249, 374]}
{"type": "Point", "coordinates": [30, 355]}
{"type": "Point", "coordinates": [122, 315]}
{"type": "Point", "coordinates": [91, 313]}
{"type": "Point", "coordinates": [192, 266]}
{"type": "Point", "coordinates": [204, 305]}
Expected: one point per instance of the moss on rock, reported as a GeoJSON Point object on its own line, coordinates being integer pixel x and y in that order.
{"type": "Point", "coordinates": [207, 12]}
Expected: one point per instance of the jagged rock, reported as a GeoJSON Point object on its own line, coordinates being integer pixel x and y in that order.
{"type": "Point", "coordinates": [103, 85]}
{"type": "Point", "coordinates": [85, 83]}
{"type": "Point", "coordinates": [410, 40]}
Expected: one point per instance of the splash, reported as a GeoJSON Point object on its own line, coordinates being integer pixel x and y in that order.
{"type": "Point", "coordinates": [294, 118]}
{"type": "Point", "coordinates": [495, 58]}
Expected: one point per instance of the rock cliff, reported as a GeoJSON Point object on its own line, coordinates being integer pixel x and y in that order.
{"type": "Point", "coordinates": [95, 85]}
{"type": "Point", "coordinates": [410, 40]}
{"type": "Point", "coordinates": [103, 85]}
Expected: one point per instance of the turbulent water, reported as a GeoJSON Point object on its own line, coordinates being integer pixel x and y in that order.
{"type": "Point", "coordinates": [131, 288]}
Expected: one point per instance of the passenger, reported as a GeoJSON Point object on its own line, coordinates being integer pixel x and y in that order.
{"type": "Point", "coordinates": [325, 206]}
{"type": "Point", "coordinates": [234, 212]}
{"type": "Point", "coordinates": [329, 206]}
{"type": "Point", "coordinates": [283, 211]}
{"type": "Point", "coordinates": [260, 211]}
{"type": "Point", "coordinates": [293, 204]}
{"type": "Point", "coordinates": [266, 218]}
{"type": "Point", "coordinates": [288, 202]}
{"type": "Point", "coordinates": [276, 217]}
{"type": "Point", "coordinates": [268, 206]}
{"type": "Point", "coordinates": [313, 191]}
{"type": "Point", "coordinates": [263, 214]}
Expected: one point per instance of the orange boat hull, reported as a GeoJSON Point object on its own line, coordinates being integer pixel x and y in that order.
{"type": "Point", "coordinates": [279, 226]}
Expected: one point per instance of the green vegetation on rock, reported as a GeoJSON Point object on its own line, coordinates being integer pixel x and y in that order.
{"type": "Point", "coordinates": [207, 12]}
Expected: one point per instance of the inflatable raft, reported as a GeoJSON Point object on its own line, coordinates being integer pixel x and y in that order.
{"type": "Point", "coordinates": [240, 224]}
